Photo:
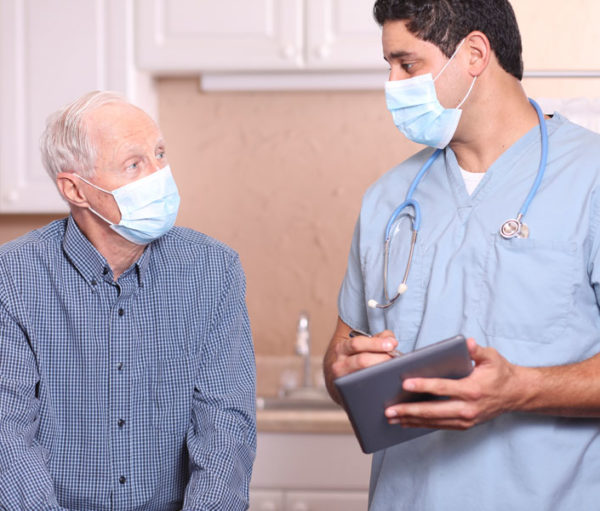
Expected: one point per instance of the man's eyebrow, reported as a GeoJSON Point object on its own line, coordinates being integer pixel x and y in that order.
{"type": "Point", "coordinates": [399, 55]}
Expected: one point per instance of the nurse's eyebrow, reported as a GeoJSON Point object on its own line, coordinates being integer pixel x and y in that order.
{"type": "Point", "coordinates": [399, 55]}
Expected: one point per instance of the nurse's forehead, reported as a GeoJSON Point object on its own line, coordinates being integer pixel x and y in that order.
{"type": "Point", "coordinates": [399, 42]}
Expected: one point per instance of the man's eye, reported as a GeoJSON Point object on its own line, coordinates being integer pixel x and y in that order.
{"type": "Point", "coordinates": [160, 155]}
{"type": "Point", "coordinates": [133, 166]}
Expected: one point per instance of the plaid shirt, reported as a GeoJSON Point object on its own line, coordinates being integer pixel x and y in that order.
{"type": "Point", "coordinates": [128, 395]}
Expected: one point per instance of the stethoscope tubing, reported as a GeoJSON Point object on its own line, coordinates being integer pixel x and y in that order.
{"type": "Point", "coordinates": [543, 160]}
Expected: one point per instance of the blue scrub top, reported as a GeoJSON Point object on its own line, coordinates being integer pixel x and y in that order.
{"type": "Point", "coordinates": [535, 300]}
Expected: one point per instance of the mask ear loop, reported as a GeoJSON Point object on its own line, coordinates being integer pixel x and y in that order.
{"type": "Point", "coordinates": [450, 59]}
{"type": "Point", "coordinates": [447, 64]}
{"type": "Point", "coordinates": [90, 207]}
{"type": "Point", "coordinates": [468, 92]}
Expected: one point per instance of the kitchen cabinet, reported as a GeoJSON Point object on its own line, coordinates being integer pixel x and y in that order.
{"type": "Point", "coordinates": [309, 472]}
{"type": "Point", "coordinates": [342, 35]}
{"type": "Point", "coordinates": [196, 36]}
{"type": "Point", "coordinates": [52, 51]}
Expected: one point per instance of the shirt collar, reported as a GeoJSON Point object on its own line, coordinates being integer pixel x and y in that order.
{"type": "Point", "coordinates": [90, 263]}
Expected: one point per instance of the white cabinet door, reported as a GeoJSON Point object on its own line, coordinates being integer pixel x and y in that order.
{"type": "Point", "coordinates": [343, 35]}
{"type": "Point", "coordinates": [52, 51]}
{"type": "Point", "coordinates": [206, 35]}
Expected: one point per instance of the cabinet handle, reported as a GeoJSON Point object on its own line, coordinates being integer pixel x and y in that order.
{"type": "Point", "coordinates": [323, 51]}
{"type": "Point", "coordinates": [288, 51]}
{"type": "Point", "coordinates": [12, 196]}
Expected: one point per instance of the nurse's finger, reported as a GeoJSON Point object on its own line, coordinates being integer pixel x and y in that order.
{"type": "Point", "coordinates": [434, 414]}
{"type": "Point", "coordinates": [453, 424]}
{"type": "Point", "coordinates": [437, 386]}
{"type": "Point", "coordinates": [385, 333]}
{"type": "Point", "coordinates": [360, 344]}
{"type": "Point", "coordinates": [364, 360]}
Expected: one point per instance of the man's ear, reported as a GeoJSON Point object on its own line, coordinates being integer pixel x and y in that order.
{"type": "Point", "coordinates": [70, 188]}
{"type": "Point", "coordinates": [480, 52]}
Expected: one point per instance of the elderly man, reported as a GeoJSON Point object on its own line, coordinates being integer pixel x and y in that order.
{"type": "Point", "coordinates": [126, 361]}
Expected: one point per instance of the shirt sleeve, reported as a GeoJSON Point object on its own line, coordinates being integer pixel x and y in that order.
{"type": "Point", "coordinates": [221, 440]}
{"type": "Point", "coordinates": [351, 299]}
{"type": "Point", "coordinates": [25, 481]}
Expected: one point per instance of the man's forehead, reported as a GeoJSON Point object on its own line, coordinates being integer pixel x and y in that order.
{"type": "Point", "coordinates": [119, 118]}
{"type": "Point", "coordinates": [399, 42]}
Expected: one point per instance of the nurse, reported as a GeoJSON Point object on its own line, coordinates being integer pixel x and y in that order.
{"type": "Point", "coordinates": [522, 432]}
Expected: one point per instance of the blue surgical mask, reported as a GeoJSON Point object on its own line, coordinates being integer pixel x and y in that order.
{"type": "Point", "coordinates": [417, 112]}
{"type": "Point", "coordinates": [148, 206]}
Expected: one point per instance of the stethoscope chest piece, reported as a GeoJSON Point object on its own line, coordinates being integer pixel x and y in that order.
{"type": "Point", "coordinates": [514, 228]}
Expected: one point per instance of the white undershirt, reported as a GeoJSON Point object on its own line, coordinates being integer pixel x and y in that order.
{"type": "Point", "coordinates": [472, 179]}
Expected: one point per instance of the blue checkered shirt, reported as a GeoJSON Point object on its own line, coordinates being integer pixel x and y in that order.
{"type": "Point", "coordinates": [128, 395]}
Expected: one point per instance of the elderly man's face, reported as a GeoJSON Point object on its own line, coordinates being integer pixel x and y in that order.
{"type": "Point", "coordinates": [129, 146]}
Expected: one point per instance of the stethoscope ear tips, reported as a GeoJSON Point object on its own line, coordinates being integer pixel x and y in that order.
{"type": "Point", "coordinates": [402, 288]}
{"type": "Point", "coordinates": [373, 304]}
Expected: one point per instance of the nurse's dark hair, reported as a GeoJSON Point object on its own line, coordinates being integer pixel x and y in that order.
{"type": "Point", "coordinates": [446, 22]}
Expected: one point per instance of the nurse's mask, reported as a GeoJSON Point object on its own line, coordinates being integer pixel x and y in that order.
{"type": "Point", "coordinates": [417, 112]}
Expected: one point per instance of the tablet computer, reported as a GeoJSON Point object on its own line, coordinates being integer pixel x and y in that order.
{"type": "Point", "coordinates": [368, 392]}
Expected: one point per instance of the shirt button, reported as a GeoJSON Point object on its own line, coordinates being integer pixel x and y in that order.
{"type": "Point", "coordinates": [122, 479]}
{"type": "Point", "coordinates": [94, 282]}
{"type": "Point", "coordinates": [121, 423]}
{"type": "Point", "coordinates": [120, 366]}
{"type": "Point", "coordinates": [105, 270]}
{"type": "Point", "coordinates": [121, 312]}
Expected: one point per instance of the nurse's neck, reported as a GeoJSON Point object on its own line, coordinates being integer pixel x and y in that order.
{"type": "Point", "coordinates": [496, 116]}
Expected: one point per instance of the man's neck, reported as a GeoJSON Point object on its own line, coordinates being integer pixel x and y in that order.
{"type": "Point", "coordinates": [491, 125]}
{"type": "Point", "coordinates": [118, 252]}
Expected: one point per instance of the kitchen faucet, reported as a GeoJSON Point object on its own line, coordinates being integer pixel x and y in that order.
{"type": "Point", "coordinates": [303, 347]}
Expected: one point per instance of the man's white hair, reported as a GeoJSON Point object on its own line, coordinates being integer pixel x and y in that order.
{"type": "Point", "coordinates": [65, 143]}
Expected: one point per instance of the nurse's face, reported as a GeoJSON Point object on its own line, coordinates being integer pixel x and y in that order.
{"type": "Point", "coordinates": [409, 56]}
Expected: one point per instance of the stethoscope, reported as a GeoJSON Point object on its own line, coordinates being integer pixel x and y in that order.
{"type": "Point", "coordinates": [512, 228]}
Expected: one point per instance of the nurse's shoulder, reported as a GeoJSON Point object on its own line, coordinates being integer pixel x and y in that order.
{"type": "Point", "coordinates": [394, 184]}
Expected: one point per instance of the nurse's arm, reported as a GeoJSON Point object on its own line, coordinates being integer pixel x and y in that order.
{"type": "Point", "coordinates": [347, 354]}
{"type": "Point", "coordinates": [496, 386]}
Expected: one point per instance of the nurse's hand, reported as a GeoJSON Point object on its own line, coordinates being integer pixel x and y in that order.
{"type": "Point", "coordinates": [490, 390]}
{"type": "Point", "coordinates": [347, 354]}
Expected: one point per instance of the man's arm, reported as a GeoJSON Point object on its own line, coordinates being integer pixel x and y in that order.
{"type": "Point", "coordinates": [25, 481]}
{"type": "Point", "coordinates": [222, 438]}
{"type": "Point", "coordinates": [496, 386]}
{"type": "Point", "coordinates": [346, 355]}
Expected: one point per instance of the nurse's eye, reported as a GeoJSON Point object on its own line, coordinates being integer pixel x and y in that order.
{"type": "Point", "coordinates": [407, 66]}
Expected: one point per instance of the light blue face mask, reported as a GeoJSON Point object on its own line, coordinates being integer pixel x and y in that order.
{"type": "Point", "coordinates": [417, 112]}
{"type": "Point", "coordinates": [148, 206]}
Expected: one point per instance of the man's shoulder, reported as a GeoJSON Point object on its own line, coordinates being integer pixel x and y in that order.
{"type": "Point", "coordinates": [576, 139]}
{"type": "Point", "coordinates": [188, 241]}
{"type": "Point", "coordinates": [400, 176]}
{"type": "Point", "coordinates": [35, 240]}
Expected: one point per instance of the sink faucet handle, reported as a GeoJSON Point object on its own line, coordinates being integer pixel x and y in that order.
{"type": "Point", "coordinates": [303, 335]}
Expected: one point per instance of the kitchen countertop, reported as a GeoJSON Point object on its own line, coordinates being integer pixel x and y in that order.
{"type": "Point", "coordinates": [303, 421]}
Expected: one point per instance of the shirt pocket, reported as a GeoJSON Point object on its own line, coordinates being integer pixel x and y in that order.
{"type": "Point", "coordinates": [528, 288]}
{"type": "Point", "coordinates": [172, 396]}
